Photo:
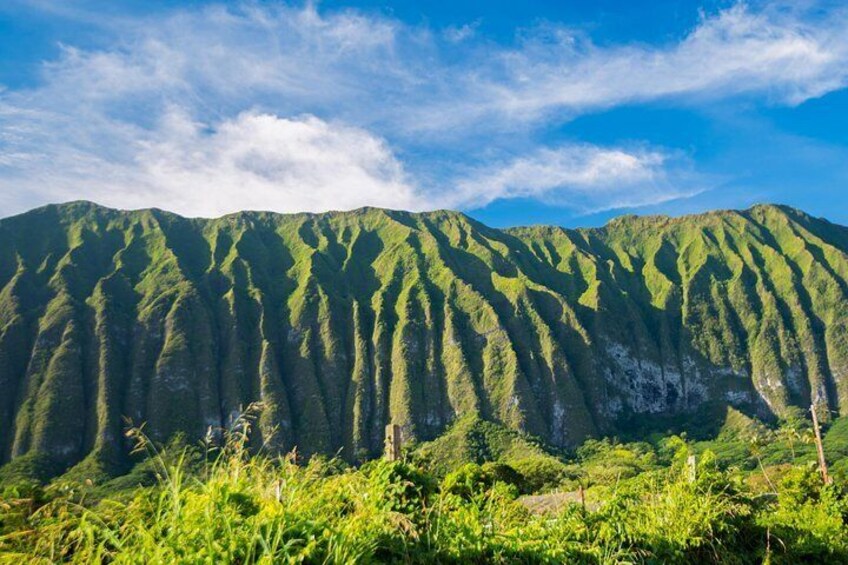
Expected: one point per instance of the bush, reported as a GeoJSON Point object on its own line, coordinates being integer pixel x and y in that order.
{"type": "Point", "coordinates": [400, 487]}
{"type": "Point", "coordinates": [540, 474]}
{"type": "Point", "coordinates": [810, 521]}
{"type": "Point", "coordinates": [242, 509]}
{"type": "Point", "coordinates": [473, 480]}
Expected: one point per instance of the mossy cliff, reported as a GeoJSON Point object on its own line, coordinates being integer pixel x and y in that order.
{"type": "Point", "coordinates": [342, 322]}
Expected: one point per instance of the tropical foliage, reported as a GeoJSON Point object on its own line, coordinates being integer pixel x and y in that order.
{"type": "Point", "coordinates": [224, 505]}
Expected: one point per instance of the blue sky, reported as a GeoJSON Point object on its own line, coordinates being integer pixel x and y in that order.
{"type": "Point", "coordinates": [515, 112]}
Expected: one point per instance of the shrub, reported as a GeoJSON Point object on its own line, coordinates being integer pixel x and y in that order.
{"type": "Point", "coordinates": [810, 520]}
{"type": "Point", "coordinates": [242, 509]}
{"type": "Point", "coordinates": [539, 474]}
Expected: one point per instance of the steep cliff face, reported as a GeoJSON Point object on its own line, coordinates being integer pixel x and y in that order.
{"type": "Point", "coordinates": [342, 322]}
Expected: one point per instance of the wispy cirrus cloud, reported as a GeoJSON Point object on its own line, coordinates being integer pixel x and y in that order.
{"type": "Point", "coordinates": [584, 177]}
{"type": "Point", "coordinates": [776, 54]}
{"type": "Point", "coordinates": [220, 108]}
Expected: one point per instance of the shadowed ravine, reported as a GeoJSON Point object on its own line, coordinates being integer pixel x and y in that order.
{"type": "Point", "coordinates": [342, 322]}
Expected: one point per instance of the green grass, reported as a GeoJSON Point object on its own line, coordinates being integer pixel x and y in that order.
{"type": "Point", "coordinates": [221, 504]}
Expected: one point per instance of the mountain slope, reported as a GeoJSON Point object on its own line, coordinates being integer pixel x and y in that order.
{"type": "Point", "coordinates": [342, 322]}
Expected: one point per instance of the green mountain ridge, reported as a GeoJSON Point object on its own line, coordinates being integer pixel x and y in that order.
{"type": "Point", "coordinates": [342, 322]}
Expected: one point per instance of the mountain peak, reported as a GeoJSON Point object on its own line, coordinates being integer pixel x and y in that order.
{"type": "Point", "coordinates": [81, 208]}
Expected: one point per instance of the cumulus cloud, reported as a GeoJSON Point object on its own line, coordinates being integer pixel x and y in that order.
{"type": "Point", "coordinates": [260, 161]}
{"type": "Point", "coordinates": [253, 161]}
{"type": "Point", "coordinates": [214, 109]}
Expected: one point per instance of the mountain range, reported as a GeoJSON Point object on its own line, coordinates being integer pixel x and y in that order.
{"type": "Point", "coordinates": [340, 323]}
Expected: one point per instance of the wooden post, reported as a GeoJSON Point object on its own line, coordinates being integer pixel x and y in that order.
{"type": "Point", "coordinates": [394, 438]}
{"type": "Point", "coordinates": [819, 446]}
{"type": "Point", "coordinates": [582, 493]}
{"type": "Point", "coordinates": [692, 467]}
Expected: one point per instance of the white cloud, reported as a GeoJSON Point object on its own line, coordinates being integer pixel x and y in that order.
{"type": "Point", "coordinates": [260, 161]}
{"type": "Point", "coordinates": [458, 34]}
{"type": "Point", "coordinates": [215, 109]}
{"type": "Point", "coordinates": [253, 161]}
{"type": "Point", "coordinates": [584, 177]}
{"type": "Point", "coordinates": [559, 73]}
{"type": "Point", "coordinates": [263, 162]}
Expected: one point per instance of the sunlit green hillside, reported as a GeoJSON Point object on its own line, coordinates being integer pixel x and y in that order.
{"type": "Point", "coordinates": [342, 322]}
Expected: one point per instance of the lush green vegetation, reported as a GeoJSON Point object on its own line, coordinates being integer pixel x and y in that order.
{"type": "Point", "coordinates": [343, 322]}
{"type": "Point", "coordinates": [641, 502]}
{"type": "Point", "coordinates": [498, 352]}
